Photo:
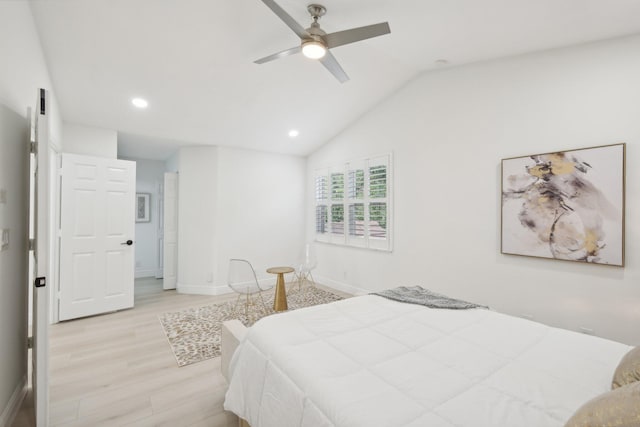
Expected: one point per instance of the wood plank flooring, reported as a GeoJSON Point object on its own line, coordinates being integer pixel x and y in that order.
{"type": "Point", "coordinates": [117, 369]}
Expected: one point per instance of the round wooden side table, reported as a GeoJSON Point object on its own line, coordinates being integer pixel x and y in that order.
{"type": "Point", "coordinates": [280, 299]}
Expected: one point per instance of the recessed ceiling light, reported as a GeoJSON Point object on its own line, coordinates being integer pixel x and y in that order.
{"type": "Point", "coordinates": [140, 103]}
{"type": "Point", "coordinates": [293, 133]}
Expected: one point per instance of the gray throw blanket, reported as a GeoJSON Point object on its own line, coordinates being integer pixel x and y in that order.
{"type": "Point", "coordinates": [422, 296]}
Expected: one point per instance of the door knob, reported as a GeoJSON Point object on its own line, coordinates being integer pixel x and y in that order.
{"type": "Point", "coordinates": [128, 243]}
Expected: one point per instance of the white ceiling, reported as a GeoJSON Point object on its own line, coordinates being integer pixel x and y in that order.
{"type": "Point", "coordinates": [193, 61]}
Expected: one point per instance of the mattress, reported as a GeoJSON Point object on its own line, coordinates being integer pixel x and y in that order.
{"type": "Point", "coordinates": [369, 361]}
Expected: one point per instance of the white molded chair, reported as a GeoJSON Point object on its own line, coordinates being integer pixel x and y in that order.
{"type": "Point", "coordinates": [243, 280]}
{"type": "Point", "coordinates": [308, 263]}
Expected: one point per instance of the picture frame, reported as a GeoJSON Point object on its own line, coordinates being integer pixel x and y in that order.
{"type": "Point", "coordinates": [565, 205]}
{"type": "Point", "coordinates": [143, 207]}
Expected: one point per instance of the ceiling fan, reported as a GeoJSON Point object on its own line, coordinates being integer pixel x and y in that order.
{"type": "Point", "coordinates": [315, 43]}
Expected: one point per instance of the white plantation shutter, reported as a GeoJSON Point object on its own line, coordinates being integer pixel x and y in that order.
{"type": "Point", "coordinates": [336, 211]}
{"type": "Point", "coordinates": [322, 200]}
{"type": "Point", "coordinates": [356, 190]}
{"type": "Point", "coordinates": [322, 219]}
{"type": "Point", "coordinates": [353, 203]}
{"type": "Point", "coordinates": [378, 206]}
{"type": "Point", "coordinates": [356, 220]}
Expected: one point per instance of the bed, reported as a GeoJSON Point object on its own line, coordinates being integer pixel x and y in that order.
{"type": "Point", "coordinates": [370, 361]}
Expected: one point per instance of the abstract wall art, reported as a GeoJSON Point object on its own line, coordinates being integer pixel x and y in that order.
{"type": "Point", "coordinates": [567, 205]}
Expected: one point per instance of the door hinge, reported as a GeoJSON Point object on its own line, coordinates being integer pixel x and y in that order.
{"type": "Point", "coordinates": [33, 147]}
{"type": "Point", "coordinates": [32, 244]}
{"type": "Point", "coordinates": [29, 342]}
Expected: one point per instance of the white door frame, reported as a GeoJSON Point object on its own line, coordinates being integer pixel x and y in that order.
{"type": "Point", "coordinates": [40, 333]}
{"type": "Point", "coordinates": [170, 234]}
{"type": "Point", "coordinates": [54, 233]}
{"type": "Point", "coordinates": [159, 273]}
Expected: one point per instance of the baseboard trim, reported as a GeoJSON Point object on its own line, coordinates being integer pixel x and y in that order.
{"type": "Point", "coordinates": [144, 273]}
{"type": "Point", "coordinates": [195, 289]}
{"type": "Point", "coordinates": [225, 289]}
{"type": "Point", "coordinates": [340, 286]}
{"type": "Point", "coordinates": [222, 290]}
{"type": "Point", "coordinates": [15, 402]}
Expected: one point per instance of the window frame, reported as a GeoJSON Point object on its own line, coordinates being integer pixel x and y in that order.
{"type": "Point", "coordinates": [358, 194]}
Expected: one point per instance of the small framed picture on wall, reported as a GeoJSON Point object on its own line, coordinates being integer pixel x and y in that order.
{"type": "Point", "coordinates": [143, 210]}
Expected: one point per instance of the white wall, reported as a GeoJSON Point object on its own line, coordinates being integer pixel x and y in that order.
{"type": "Point", "coordinates": [90, 141]}
{"type": "Point", "coordinates": [260, 211]}
{"type": "Point", "coordinates": [172, 164]}
{"type": "Point", "coordinates": [197, 180]}
{"type": "Point", "coordinates": [24, 69]}
{"type": "Point", "coordinates": [236, 203]}
{"type": "Point", "coordinates": [14, 134]}
{"type": "Point", "coordinates": [22, 73]}
{"type": "Point", "coordinates": [448, 131]}
{"type": "Point", "coordinates": [149, 179]}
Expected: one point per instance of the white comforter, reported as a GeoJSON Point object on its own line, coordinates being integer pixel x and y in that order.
{"type": "Point", "coordinates": [369, 361]}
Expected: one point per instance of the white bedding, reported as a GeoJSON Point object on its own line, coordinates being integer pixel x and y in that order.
{"type": "Point", "coordinates": [368, 361]}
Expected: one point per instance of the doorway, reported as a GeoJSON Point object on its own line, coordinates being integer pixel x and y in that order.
{"type": "Point", "coordinates": [149, 226]}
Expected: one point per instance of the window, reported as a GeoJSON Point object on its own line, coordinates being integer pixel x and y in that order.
{"type": "Point", "coordinates": [322, 197]}
{"type": "Point", "coordinates": [353, 203]}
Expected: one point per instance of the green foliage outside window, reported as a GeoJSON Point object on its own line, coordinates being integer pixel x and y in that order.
{"type": "Point", "coordinates": [378, 182]}
{"type": "Point", "coordinates": [337, 186]}
{"type": "Point", "coordinates": [378, 213]}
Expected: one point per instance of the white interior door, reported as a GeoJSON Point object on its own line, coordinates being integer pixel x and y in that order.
{"type": "Point", "coordinates": [40, 261]}
{"type": "Point", "coordinates": [97, 234]}
{"type": "Point", "coordinates": [170, 243]}
{"type": "Point", "coordinates": [160, 230]}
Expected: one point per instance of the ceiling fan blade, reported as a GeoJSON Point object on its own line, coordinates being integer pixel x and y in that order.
{"type": "Point", "coordinates": [331, 63]}
{"type": "Point", "coordinates": [287, 19]}
{"type": "Point", "coordinates": [353, 35]}
{"type": "Point", "coordinates": [279, 55]}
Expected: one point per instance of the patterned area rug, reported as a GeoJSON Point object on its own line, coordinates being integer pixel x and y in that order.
{"type": "Point", "coordinates": [194, 333]}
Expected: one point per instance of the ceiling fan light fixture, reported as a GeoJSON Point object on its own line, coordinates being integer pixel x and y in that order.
{"type": "Point", "coordinates": [313, 49]}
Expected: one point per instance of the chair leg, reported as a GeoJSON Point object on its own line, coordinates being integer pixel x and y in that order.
{"type": "Point", "coordinates": [246, 306]}
{"type": "Point", "coordinates": [263, 304]}
{"type": "Point", "coordinates": [235, 308]}
{"type": "Point", "coordinates": [313, 281]}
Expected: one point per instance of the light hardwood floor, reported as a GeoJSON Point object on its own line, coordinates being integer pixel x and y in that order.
{"type": "Point", "coordinates": [117, 369]}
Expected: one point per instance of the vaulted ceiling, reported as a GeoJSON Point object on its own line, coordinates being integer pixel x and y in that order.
{"type": "Point", "coordinates": [193, 61]}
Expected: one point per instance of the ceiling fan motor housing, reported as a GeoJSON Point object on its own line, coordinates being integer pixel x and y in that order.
{"type": "Point", "coordinates": [316, 10]}
{"type": "Point", "coordinates": [316, 33]}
